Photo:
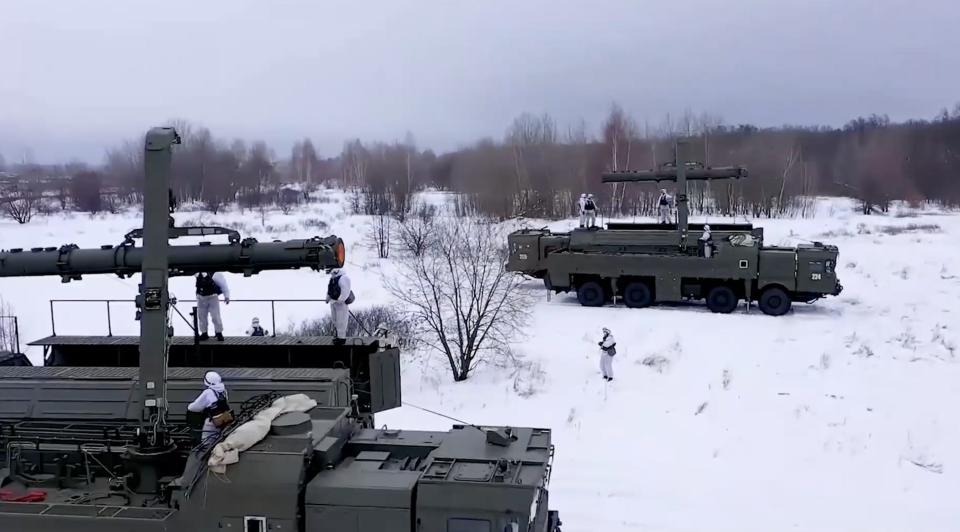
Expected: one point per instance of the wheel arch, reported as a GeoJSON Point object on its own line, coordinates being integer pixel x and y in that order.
{"type": "Point", "coordinates": [761, 289]}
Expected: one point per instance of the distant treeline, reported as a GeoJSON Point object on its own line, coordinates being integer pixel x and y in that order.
{"type": "Point", "coordinates": [538, 169]}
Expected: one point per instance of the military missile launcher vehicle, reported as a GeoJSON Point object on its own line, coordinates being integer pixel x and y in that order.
{"type": "Point", "coordinates": [98, 439]}
{"type": "Point", "coordinates": [645, 264]}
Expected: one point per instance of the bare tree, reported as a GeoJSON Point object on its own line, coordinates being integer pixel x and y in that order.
{"type": "Point", "coordinates": [531, 139]}
{"type": "Point", "coordinates": [380, 231]}
{"type": "Point", "coordinates": [214, 195]}
{"type": "Point", "coordinates": [461, 296]}
{"type": "Point", "coordinates": [8, 328]}
{"type": "Point", "coordinates": [354, 160]}
{"type": "Point", "coordinates": [303, 162]}
{"type": "Point", "coordinates": [619, 132]}
{"type": "Point", "coordinates": [309, 161]}
{"type": "Point", "coordinates": [20, 205]}
{"type": "Point", "coordinates": [112, 201]}
{"type": "Point", "coordinates": [288, 199]}
{"type": "Point", "coordinates": [791, 159]}
{"type": "Point", "coordinates": [85, 191]}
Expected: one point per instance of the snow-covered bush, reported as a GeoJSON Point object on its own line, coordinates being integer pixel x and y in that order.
{"type": "Point", "coordinates": [364, 322]}
{"type": "Point", "coordinates": [314, 223]}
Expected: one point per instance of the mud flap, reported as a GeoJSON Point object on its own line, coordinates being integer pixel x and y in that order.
{"type": "Point", "coordinates": [384, 380]}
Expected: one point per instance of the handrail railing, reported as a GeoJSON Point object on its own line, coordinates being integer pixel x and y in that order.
{"type": "Point", "coordinates": [108, 302]}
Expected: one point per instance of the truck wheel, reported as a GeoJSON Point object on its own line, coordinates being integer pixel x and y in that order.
{"type": "Point", "coordinates": [722, 300]}
{"type": "Point", "coordinates": [637, 295]}
{"type": "Point", "coordinates": [774, 301]}
{"type": "Point", "coordinates": [590, 294]}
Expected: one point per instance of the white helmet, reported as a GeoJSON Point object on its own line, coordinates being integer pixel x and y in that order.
{"type": "Point", "coordinates": [583, 195]}
{"type": "Point", "coordinates": [589, 195]}
{"type": "Point", "coordinates": [336, 272]}
{"type": "Point", "coordinates": [663, 190]}
{"type": "Point", "coordinates": [212, 378]}
{"type": "Point", "coordinates": [606, 330]}
{"type": "Point", "coordinates": [706, 227]}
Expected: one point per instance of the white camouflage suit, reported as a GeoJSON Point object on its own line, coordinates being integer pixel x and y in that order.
{"type": "Point", "coordinates": [590, 215]}
{"type": "Point", "coordinates": [664, 203]}
{"type": "Point", "coordinates": [583, 215]}
{"type": "Point", "coordinates": [338, 306]}
{"type": "Point", "coordinates": [210, 306]}
{"type": "Point", "coordinates": [706, 241]}
{"type": "Point", "coordinates": [606, 359]}
{"type": "Point", "coordinates": [208, 397]}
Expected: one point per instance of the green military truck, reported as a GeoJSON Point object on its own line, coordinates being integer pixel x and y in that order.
{"type": "Point", "coordinates": [645, 264]}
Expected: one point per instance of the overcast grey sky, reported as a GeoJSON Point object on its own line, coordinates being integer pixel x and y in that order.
{"type": "Point", "coordinates": [79, 75]}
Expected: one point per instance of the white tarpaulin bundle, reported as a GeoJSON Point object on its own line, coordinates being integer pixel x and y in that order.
{"type": "Point", "coordinates": [742, 239]}
{"type": "Point", "coordinates": [247, 435]}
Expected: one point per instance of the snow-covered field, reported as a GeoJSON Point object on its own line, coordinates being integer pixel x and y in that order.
{"type": "Point", "coordinates": [839, 416]}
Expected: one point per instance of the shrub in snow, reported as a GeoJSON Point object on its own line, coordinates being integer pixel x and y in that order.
{"type": "Point", "coordinates": [657, 363]}
{"type": "Point", "coordinates": [314, 223]}
{"type": "Point", "coordinates": [528, 378]}
{"type": "Point", "coordinates": [909, 228]}
{"type": "Point", "coordinates": [20, 206]}
{"type": "Point", "coordinates": [363, 322]}
{"type": "Point", "coordinates": [277, 229]}
{"type": "Point", "coordinates": [416, 235]}
{"type": "Point", "coordinates": [864, 351]}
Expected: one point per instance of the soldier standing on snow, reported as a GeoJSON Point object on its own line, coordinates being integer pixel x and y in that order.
{"type": "Point", "coordinates": [608, 348]}
{"type": "Point", "coordinates": [339, 295]}
{"type": "Point", "coordinates": [663, 204]}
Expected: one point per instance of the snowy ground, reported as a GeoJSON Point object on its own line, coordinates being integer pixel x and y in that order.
{"type": "Point", "coordinates": [839, 416]}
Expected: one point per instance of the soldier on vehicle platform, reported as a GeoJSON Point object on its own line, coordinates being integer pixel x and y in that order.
{"type": "Point", "coordinates": [212, 403]}
{"type": "Point", "coordinates": [581, 204]}
{"type": "Point", "coordinates": [339, 295]}
{"type": "Point", "coordinates": [664, 204]}
{"type": "Point", "coordinates": [590, 211]}
{"type": "Point", "coordinates": [209, 288]}
{"type": "Point", "coordinates": [255, 328]}
{"type": "Point", "coordinates": [706, 242]}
